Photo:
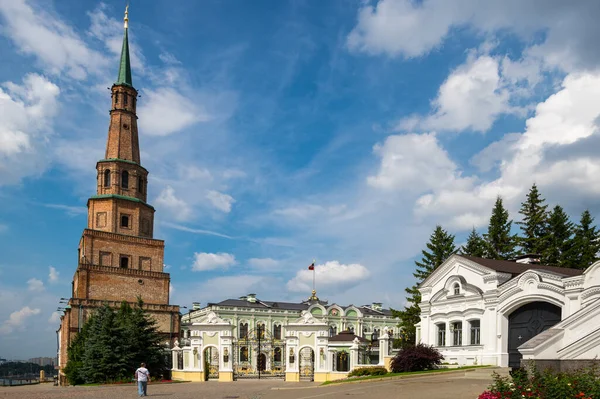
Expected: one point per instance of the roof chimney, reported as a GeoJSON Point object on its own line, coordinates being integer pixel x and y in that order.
{"type": "Point", "coordinates": [251, 298]}
{"type": "Point", "coordinates": [376, 306]}
{"type": "Point", "coordinates": [530, 259]}
{"type": "Point", "coordinates": [195, 305]}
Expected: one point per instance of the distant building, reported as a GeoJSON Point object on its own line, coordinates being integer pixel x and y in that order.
{"type": "Point", "coordinates": [43, 361]}
{"type": "Point", "coordinates": [2, 361]}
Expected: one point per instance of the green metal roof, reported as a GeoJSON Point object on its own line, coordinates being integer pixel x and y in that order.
{"type": "Point", "coordinates": [124, 66]}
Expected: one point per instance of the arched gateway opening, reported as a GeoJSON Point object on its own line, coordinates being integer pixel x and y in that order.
{"type": "Point", "coordinates": [525, 323]}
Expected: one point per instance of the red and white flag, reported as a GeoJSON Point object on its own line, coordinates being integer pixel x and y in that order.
{"type": "Point", "coordinates": [312, 266]}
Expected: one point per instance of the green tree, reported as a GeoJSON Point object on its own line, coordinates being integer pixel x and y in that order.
{"type": "Point", "coordinates": [475, 245]}
{"type": "Point", "coordinates": [534, 223]}
{"type": "Point", "coordinates": [586, 243]}
{"type": "Point", "coordinates": [112, 344]}
{"type": "Point", "coordinates": [559, 242]}
{"type": "Point", "coordinates": [439, 248]}
{"type": "Point", "coordinates": [500, 244]}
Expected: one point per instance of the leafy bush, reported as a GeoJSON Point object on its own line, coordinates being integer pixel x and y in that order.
{"type": "Point", "coordinates": [416, 358]}
{"type": "Point", "coordinates": [580, 384]}
{"type": "Point", "coordinates": [359, 372]}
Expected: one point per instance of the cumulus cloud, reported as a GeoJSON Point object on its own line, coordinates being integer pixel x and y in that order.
{"type": "Point", "coordinates": [331, 276]}
{"type": "Point", "coordinates": [472, 97]}
{"type": "Point", "coordinates": [173, 205]}
{"type": "Point", "coordinates": [33, 284]}
{"type": "Point", "coordinates": [165, 111]}
{"type": "Point", "coordinates": [406, 28]}
{"type": "Point", "coordinates": [54, 318]}
{"type": "Point", "coordinates": [53, 275]}
{"type": "Point", "coordinates": [551, 152]}
{"type": "Point", "coordinates": [26, 112]}
{"type": "Point", "coordinates": [208, 261]}
{"type": "Point", "coordinates": [57, 47]}
{"type": "Point", "coordinates": [413, 163]}
{"type": "Point", "coordinates": [222, 202]}
{"type": "Point", "coordinates": [17, 319]}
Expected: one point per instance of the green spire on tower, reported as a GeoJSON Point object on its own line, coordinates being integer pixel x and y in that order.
{"type": "Point", "coordinates": [124, 66]}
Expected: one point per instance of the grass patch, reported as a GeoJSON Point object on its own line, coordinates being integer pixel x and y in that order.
{"type": "Point", "coordinates": [389, 375]}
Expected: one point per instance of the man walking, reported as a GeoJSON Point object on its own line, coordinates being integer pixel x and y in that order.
{"type": "Point", "coordinates": [142, 375]}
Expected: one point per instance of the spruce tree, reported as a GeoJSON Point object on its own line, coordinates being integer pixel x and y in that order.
{"type": "Point", "coordinates": [500, 244]}
{"type": "Point", "coordinates": [534, 223]}
{"type": "Point", "coordinates": [475, 245]}
{"type": "Point", "coordinates": [558, 243]}
{"type": "Point", "coordinates": [585, 244]}
{"type": "Point", "coordinates": [439, 248]}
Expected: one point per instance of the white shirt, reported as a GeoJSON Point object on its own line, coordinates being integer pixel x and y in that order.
{"type": "Point", "coordinates": [142, 374]}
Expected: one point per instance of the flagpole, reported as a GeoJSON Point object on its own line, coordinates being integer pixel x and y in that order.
{"type": "Point", "coordinates": [313, 274]}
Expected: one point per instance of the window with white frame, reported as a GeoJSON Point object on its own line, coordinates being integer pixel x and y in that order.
{"type": "Point", "coordinates": [475, 332]}
{"type": "Point", "coordinates": [456, 289]}
{"type": "Point", "coordinates": [441, 334]}
{"type": "Point", "coordinates": [456, 333]}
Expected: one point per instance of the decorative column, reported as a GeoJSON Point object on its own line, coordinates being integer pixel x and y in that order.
{"type": "Point", "coordinates": [354, 353]}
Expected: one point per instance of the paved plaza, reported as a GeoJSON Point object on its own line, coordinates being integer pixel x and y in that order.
{"type": "Point", "coordinates": [458, 385]}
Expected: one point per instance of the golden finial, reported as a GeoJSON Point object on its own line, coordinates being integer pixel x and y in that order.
{"type": "Point", "coordinates": [126, 19]}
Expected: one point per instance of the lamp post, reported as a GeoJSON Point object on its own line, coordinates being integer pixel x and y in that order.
{"type": "Point", "coordinates": [258, 358]}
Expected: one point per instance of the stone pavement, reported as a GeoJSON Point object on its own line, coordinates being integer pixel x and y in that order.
{"type": "Point", "coordinates": [458, 385]}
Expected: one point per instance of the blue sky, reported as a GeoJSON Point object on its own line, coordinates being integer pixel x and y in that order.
{"type": "Point", "coordinates": [276, 132]}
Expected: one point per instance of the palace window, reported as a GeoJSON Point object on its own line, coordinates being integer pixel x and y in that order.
{"type": "Point", "coordinates": [125, 179]}
{"type": "Point", "coordinates": [244, 354]}
{"type": "Point", "coordinates": [475, 332]}
{"type": "Point", "coordinates": [441, 332]}
{"type": "Point", "coordinates": [243, 330]}
{"type": "Point", "coordinates": [277, 332]}
{"type": "Point", "coordinates": [375, 334]}
{"type": "Point", "coordinates": [351, 328]}
{"type": "Point", "coordinates": [260, 329]}
{"type": "Point", "coordinates": [332, 331]}
{"type": "Point", "coordinates": [107, 178]}
{"type": "Point", "coordinates": [277, 355]}
{"type": "Point", "coordinates": [124, 262]}
{"type": "Point", "coordinates": [456, 289]}
{"type": "Point", "coordinates": [125, 221]}
{"type": "Point", "coordinates": [457, 333]}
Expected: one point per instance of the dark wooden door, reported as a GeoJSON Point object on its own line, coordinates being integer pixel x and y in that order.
{"type": "Point", "coordinates": [525, 323]}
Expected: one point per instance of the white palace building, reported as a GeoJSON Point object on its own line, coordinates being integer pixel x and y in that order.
{"type": "Point", "coordinates": [495, 312]}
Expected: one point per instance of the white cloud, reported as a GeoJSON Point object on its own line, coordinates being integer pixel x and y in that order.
{"type": "Point", "coordinates": [331, 277]}
{"type": "Point", "coordinates": [471, 98]}
{"type": "Point", "coordinates": [54, 318]}
{"type": "Point", "coordinates": [304, 211]}
{"type": "Point", "coordinates": [207, 261]}
{"type": "Point", "coordinates": [33, 284]}
{"type": "Point", "coordinates": [175, 206]}
{"type": "Point", "coordinates": [26, 112]}
{"type": "Point", "coordinates": [17, 319]}
{"type": "Point", "coordinates": [58, 48]}
{"type": "Point", "coordinates": [53, 275]}
{"type": "Point", "coordinates": [413, 163]}
{"type": "Point", "coordinates": [69, 209]}
{"type": "Point", "coordinates": [165, 111]}
{"type": "Point", "coordinates": [222, 202]}
{"type": "Point", "coordinates": [554, 152]}
{"type": "Point", "coordinates": [408, 28]}
{"type": "Point", "coordinates": [266, 264]}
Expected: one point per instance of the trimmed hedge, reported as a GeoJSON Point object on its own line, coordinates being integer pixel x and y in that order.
{"type": "Point", "coordinates": [359, 372]}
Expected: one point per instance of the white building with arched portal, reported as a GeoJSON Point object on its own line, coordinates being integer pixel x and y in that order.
{"type": "Point", "coordinates": [495, 312]}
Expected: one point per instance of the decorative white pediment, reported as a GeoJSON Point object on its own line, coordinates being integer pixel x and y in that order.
{"type": "Point", "coordinates": [212, 318]}
{"type": "Point", "coordinates": [307, 318]}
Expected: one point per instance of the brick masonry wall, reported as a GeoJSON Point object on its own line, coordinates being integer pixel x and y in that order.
{"type": "Point", "coordinates": [104, 214]}
{"type": "Point", "coordinates": [144, 253]}
{"type": "Point", "coordinates": [117, 287]}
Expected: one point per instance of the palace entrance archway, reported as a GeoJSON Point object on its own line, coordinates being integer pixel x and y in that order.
{"type": "Point", "coordinates": [525, 323]}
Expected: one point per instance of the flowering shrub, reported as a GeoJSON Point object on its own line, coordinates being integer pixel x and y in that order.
{"type": "Point", "coordinates": [580, 384]}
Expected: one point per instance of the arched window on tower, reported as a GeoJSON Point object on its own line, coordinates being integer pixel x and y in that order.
{"type": "Point", "coordinates": [116, 97]}
{"type": "Point", "coordinates": [125, 98]}
{"type": "Point", "coordinates": [125, 179]}
{"type": "Point", "coordinates": [140, 184]}
{"type": "Point", "coordinates": [107, 178]}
